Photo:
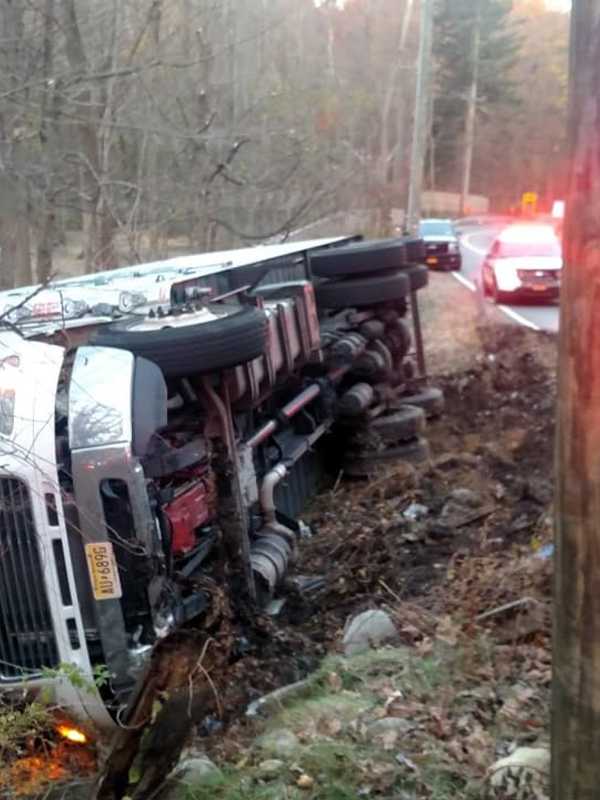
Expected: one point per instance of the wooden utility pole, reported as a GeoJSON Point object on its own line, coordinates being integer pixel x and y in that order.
{"type": "Point", "coordinates": [471, 112]}
{"type": "Point", "coordinates": [576, 680]}
{"type": "Point", "coordinates": [420, 127]}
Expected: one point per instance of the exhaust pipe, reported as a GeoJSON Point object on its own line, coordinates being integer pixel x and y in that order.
{"type": "Point", "coordinates": [267, 491]}
{"type": "Point", "coordinates": [273, 549]}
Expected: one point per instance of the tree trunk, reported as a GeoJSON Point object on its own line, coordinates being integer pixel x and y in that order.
{"type": "Point", "coordinates": [387, 145]}
{"type": "Point", "coordinates": [576, 681]}
{"type": "Point", "coordinates": [90, 155]}
{"type": "Point", "coordinates": [105, 255]}
{"type": "Point", "coordinates": [419, 143]}
{"type": "Point", "coordinates": [49, 111]}
{"type": "Point", "coordinates": [15, 238]}
{"type": "Point", "coordinates": [45, 243]}
{"type": "Point", "coordinates": [471, 115]}
{"type": "Point", "coordinates": [23, 273]}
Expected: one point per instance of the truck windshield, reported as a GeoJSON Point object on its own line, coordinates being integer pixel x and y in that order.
{"type": "Point", "coordinates": [435, 229]}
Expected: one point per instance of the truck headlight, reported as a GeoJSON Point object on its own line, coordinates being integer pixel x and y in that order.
{"type": "Point", "coordinates": [73, 308]}
{"type": "Point", "coordinates": [453, 247]}
{"type": "Point", "coordinates": [14, 315]}
{"type": "Point", "coordinates": [130, 300]}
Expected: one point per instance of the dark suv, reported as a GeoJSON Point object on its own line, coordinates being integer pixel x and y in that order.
{"type": "Point", "coordinates": [442, 249]}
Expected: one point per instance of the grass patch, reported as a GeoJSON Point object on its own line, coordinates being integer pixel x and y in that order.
{"type": "Point", "coordinates": [20, 723]}
{"type": "Point", "coordinates": [356, 670]}
{"type": "Point", "coordinates": [345, 761]}
{"type": "Point", "coordinates": [444, 785]}
{"type": "Point", "coordinates": [344, 706]}
{"type": "Point", "coordinates": [333, 766]}
{"type": "Point", "coordinates": [230, 786]}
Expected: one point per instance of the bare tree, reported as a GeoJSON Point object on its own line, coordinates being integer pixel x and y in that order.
{"type": "Point", "coordinates": [131, 127]}
{"type": "Point", "coordinates": [14, 195]}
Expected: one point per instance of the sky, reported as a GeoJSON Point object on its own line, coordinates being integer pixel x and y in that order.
{"type": "Point", "coordinates": [559, 5]}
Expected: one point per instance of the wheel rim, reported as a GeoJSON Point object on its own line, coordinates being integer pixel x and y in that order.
{"type": "Point", "coordinates": [184, 320]}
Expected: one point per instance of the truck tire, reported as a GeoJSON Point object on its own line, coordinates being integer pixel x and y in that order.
{"type": "Point", "coordinates": [217, 337]}
{"type": "Point", "coordinates": [359, 258]}
{"type": "Point", "coordinates": [404, 337]}
{"type": "Point", "coordinates": [363, 466]}
{"type": "Point", "coordinates": [363, 291]}
{"type": "Point", "coordinates": [415, 250]}
{"type": "Point", "coordinates": [430, 399]}
{"type": "Point", "coordinates": [419, 277]}
{"type": "Point", "coordinates": [401, 425]}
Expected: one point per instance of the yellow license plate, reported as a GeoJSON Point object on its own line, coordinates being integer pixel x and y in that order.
{"type": "Point", "coordinates": [102, 565]}
{"type": "Point", "coordinates": [432, 260]}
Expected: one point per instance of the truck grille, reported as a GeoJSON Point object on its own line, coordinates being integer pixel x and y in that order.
{"type": "Point", "coordinates": [437, 249]}
{"type": "Point", "coordinates": [27, 640]}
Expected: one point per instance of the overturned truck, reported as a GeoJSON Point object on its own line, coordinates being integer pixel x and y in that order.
{"type": "Point", "coordinates": [172, 430]}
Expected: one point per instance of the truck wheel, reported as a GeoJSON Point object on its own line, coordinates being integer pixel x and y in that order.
{"type": "Point", "coordinates": [363, 291]}
{"type": "Point", "coordinates": [404, 337]}
{"type": "Point", "coordinates": [415, 250]}
{"type": "Point", "coordinates": [431, 400]}
{"type": "Point", "coordinates": [415, 452]}
{"type": "Point", "coordinates": [216, 337]}
{"type": "Point", "coordinates": [401, 425]}
{"type": "Point", "coordinates": [419, 277]}
{"type": "Point", "coordinates": [359, 258]}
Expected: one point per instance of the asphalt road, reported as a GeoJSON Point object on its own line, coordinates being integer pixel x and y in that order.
{"type": "Point", "coordinates": [475, 243]}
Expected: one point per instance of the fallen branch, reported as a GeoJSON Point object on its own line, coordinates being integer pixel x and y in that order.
{"type": "Point", "coordinates": [210, 681]}
{"type": "Point", "coordinates": [468, 519]}
{"type": "Point", "coordinates": [524, 602]}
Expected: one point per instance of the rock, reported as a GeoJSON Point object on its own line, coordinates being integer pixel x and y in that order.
{"type": "Point", "coordinates": [415, 511]}
{"type": "Point", "coordinates": [499, 492]}
{"type": "Point", "coordinates": [274, 701]}
{"type": "Point", "coordinates": [280, 742]}
{"type": "Point", "coordinates": [465, 497]}
{"type": "Point", "coordinates": [540, 491]}
{"type": "Point", "coordinates": [191, 771]}
{"type": "Point", "coordinates": [524, 774]}
{"type": "Point", "coordinates": [270, 768]}
{"type": "Point", "coordinates": [197, 769]}
{"type": "Point", "coordinates": [369, 629]}
{"type": "Point", "coordinates": [452, 511]}
{"type": "Point", "coordinates": [305, 781]}
{"type": "Point", "coordinates": [399, 725]}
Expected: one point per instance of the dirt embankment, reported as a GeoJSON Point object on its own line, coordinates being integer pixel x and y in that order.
{"type": "Point", "coordinates": [458, 554]}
